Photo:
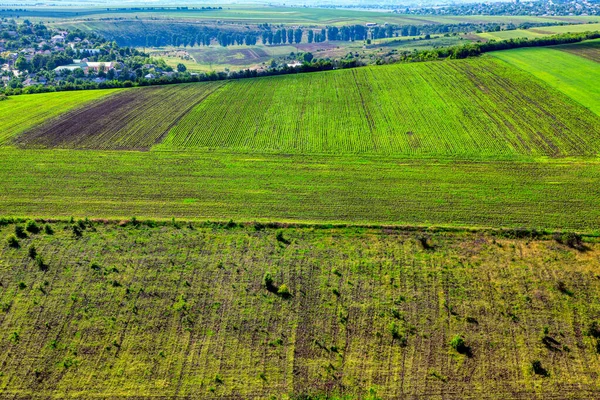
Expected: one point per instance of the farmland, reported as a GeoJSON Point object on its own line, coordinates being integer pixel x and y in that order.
{"type": "Point", "coordinates": [240, 14]}
{"type": "Point", "coordinates": [301, 188]}
{"type": "Point", "coordinates": [423, 230]}
{"type": "Point", "coordinates": [571, 74]}
{"type": "Point", "coordinates": [186, 311]}
{"type": "Point", "coordinates": [589, 49]}
{"type": "Point", "coordinates": [512, 34]}
{"type": "Point", "coordinates": [458, 108]}
{"type": "Point", "coordinates": [131, 119]}
{"type": "Point", "coordinates": [424, 117]}
{"type": "Point", "coordinates": [21, 113]}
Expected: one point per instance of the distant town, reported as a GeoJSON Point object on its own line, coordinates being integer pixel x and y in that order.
{"type": "Point", "coordinates": [34, 56]}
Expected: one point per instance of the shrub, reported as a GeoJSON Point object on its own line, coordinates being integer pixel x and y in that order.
{"type": "Point", "coordinates": [13, 241]}
{"type": "Point", "coordinates": [95, 266]}
{"type": "Point", "coordinates": [538, 369]}
{"type": "Point", "coordinates": [32, 252]}
{"type": "Point", "coordinates": [20, 232]}
{"type": "Point", "coordinates": [570, 239]}
{"type": "Point", "coordinates": [425, 242]}
{"type": "Point", "coordinates": [39, 260]}
{"type": "Point", "coordinates": [397, 334]}
{"type": "Point", "coordinates": [438, 375]}
{"type": "Point", "coordinates": [594, 330]}
{"type": "Point", "coordinates": [268, 282]}
{"type": "Point", "coordinates": [458, 343]}
{"type": "Point", "coordinates": [562, 287]}
{"type": "Point", "coordinates": [48, 229]}
{"type": "Point", "coordinates": [283, 291]}
{"type": "Point", "coordinates": [32, 227]}
{"type": "Point", "coordinates": [280, 238]}
{"type": "Point", "coordinates": [77, 231]}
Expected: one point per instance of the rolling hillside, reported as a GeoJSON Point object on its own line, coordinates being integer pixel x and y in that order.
{"type": "Point", "coordinates": [570, 69]}
{"type": "Point", "coordinates": [470, 143]}
{"type": "Point", "coordinates": [476, 107]}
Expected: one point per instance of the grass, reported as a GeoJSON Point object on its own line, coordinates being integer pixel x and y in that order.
{"type": "Point", "coordinates": [575, 76]}
{"type": "Point", "coordinates": [184, 312]}
{"type": "Point", "coordinates": [589, 49]}
{"type": "Point", "coordinates": [301, 188]}
{"type": "Point", "coordinates": [132, 119]}
{"type": "Point", "coordinates": [512, 34]}
{"type": "Point", "coordinates": [476, 106]}
{"type": "Point", "coordinates": [567, 28]}
{"type": "Point", "coordinates": [462, 108]}
{"type": "Point", "coordinates": [20, 113]}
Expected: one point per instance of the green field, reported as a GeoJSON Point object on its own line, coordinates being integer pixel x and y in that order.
{"type": "Point", "coordinates": [470, 108]}
{"type": "Point", "coordinates": [21, 113]}
{"type": "Point", "coordinates": [301, 188]}
{"type": "Point", "coordinates": [468, 143]}
{"type": "Point", "coordinates": [131, 119]}
{"type": "Point", "coordinates": [575, 76]}
{"type": "Point", "coordinates": [451, 108]}
{"type": "Point", "coordinates": [589, 49]}
{"type": "Point", "coordinates": [413, 231]}
{"type": "Point", "coordinates": [552, 30]}
{"type": "Point", "coordinates": [248, 14]}
{"type": "Point", "coordinates": [184, 312]}
{"type": "Point", "coordinates": [511, 34]}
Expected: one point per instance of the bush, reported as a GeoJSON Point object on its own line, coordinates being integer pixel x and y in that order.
{"type": "Point", "coordinates": [32, 252]}
{"type": "Point", "coordinates": [268, 282]}
{"type": "Point", "coordinates": [32, 227]}
{"type": "Point", "coordinates": [77, 231]}
{"type": "Point", "coordinates": [397, 334]}
{"type": "Point", "coordinates": [280, 238]}
{"type": "Point", "coordinates": [13, 241]}
{"type": "Point", "coordinates": [20, 232]}
{"type": "Point", "coordinates": [570, 239]}
{"type": "Point", "coordinates": [594, 330]}
{"type": "Point", "coordinates": [48, 229]}
{"type": "Point", "coordinates": [562, 287]}
{"type": "Point", "coordinates": [425, 242]}
{"type": "Point", "coordinates": [39, 260]}
{"type": "Point", "coordinates": [283, 291]}
{"type": "Point", "coordinates": [458, 343]}
{"type": "Point", "coordinates": [538, 369]}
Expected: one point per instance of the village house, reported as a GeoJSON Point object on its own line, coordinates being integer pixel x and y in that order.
{"type": "Point", "coordinates": [89, 66]}
{"type": "Point", "coordinates": [57, 39]}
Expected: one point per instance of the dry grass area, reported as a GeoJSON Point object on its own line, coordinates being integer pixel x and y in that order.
{"type": "Point", "coordinates": [207, 311]}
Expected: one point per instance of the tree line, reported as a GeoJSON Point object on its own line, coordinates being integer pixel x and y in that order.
{"type": "Point", "coordinates": [136, 34]}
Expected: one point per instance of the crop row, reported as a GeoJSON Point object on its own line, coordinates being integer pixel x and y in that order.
{"type": "Point", "coordinates": [589, 49]}
{"type": "Point", "coordinates": [21, 113]}
{"type": "Point", "coordinates": [325, 188]}
{"type": "Point", "coordinates": [477, 106]}
{"type": "Point", "coordinates": [132, 119]}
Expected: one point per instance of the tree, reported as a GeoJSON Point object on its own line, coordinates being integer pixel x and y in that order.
{"type": "Point", "coordinates": [78, 73]}
{"type": "Point", "coordinates": [308, 57]}
{"type": "Point", "coordinates": [22, 64]}
{"type": "Point", "coordinates": [181, 68]}
{"type": "Point", "coordinates": [298, 35]}
{"type": "Point", "coordinates": [311, 36]}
